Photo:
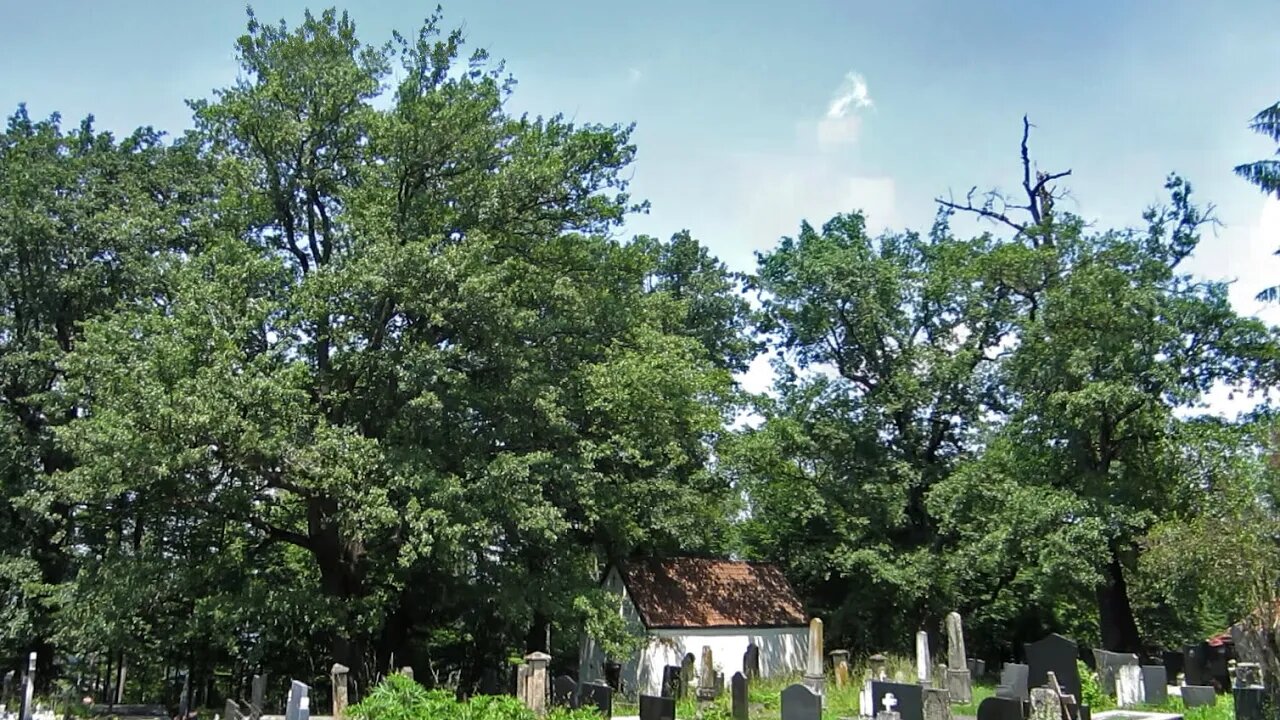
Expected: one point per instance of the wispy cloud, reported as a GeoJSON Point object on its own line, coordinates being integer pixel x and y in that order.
{"type": "Point", "coordinates": [634, 75]}
{"type": "Point", "coordinates": [841, 124]}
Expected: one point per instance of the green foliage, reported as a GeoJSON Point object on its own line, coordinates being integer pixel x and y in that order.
{"type": "Point", "coordinates": [1090, 693]}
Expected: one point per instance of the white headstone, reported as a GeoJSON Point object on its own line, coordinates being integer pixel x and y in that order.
{"type": "Point", "coordinates": [1129, 686]}
{"type": "Point", "coordinates": [924, 666]}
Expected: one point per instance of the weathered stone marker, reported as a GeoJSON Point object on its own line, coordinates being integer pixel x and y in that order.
{"type": "Point", "coordinates": [299, 694]}
{"type": "Point", "coordinates": [598, 696]}
{"type": "Point", "coordinates": [959, 677]}
{"type": "Point", "coordinates": [338, 676]}
{"type": "Point", "coordinates": [258, 696]}
{"type": "Point", "coordinates": [814, 676]}
{"type": "Point", "coordinates": [706, 677]}
{"type": "Point", "coordinates": [535, 691]}
{"type": "Point", "coordinates": [840, 663]}
{"type": "Point", "coordinates": [937, 706]}
{"type": "Point", "coordinates": [751, 661]}
{"type": "Point", "coordinates": [924, 670]}
{"type": "Point", "coordinates": [1128, 680]}
{"type": "Point", "coordinates": [738, 696]}
{"type": "Point", "coordinates": [28, 689]}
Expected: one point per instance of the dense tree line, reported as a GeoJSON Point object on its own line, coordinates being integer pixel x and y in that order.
{"type": "Point", "coordinates": [357, 370]}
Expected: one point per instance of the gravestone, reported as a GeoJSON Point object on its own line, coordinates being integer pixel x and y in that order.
{"type": "Point", "coordinates": [598, 697]}
{"type": "Point", "coordinates": [1014, 682]}
{"type": "Point", "coordinates": [959, 676]}
{"type": "Point", "coordinates": [936, 705]}
{"type": "Point", "coordinates": [1248, 674]}
{"type": "Point", "coordinates": [706, 677]}
{"type": "Point", "coordinates": [613, 676]}
{"type": "Point", "coordinates": [879, 666]}
{"type": "Point", "coordinates": [1053, 654]}
{"type": "Point", "coordinates": [814, 675]}
{"type": "Point", "coordinates": [738, 696]}
{"type": "Point", "coordinates": [1000, 708]}
{"type": "Point", "coordinates": [910, 698]}
{"type": "Point", "coordinates": [231, 710]}
{"type": "Point", "coordinates": [671, 676]}
{"type": "Point", "coordinates": [840, 665]}
{"type": "Point", "coordinates": [800, 702]}
{"type": "Point", "coordinates": [657, 708]}
{"type": "Point", "coordinates": [889, 711]}
{"type": "Point", "coordinates": [1194, 664]}
{"type": "Point", "coordinates": [184, 699]}
{"type": "Point", "coordinates": [1198, 695]}
{"type": "Point", "coordinates": [522, 684]}
{"type": "Point", "coordinates": [1108, 664]}
{"type": "Point", "coordinates": [535, 683]}
{"type": "Point", "coordinates": [687, 674]}
{"type": "Point", "coordinates": [564, 692]}
{"type": "Point", "coordinates": [1155, 685]}
{"type": "Point", "coordinates": [1250, 703]}
{"type": "Point", "coordinates": [924, 670]}
{"type": "Point", "coordinates": [1128, 684]}
{"type": "Point", "coordinates": [751, 661]}
{"type": "Point", "coordinates": [1046, 704]}
{"type": "Point", "coordinates": [1173, 662]}
{"type": "Point", "coordinates": [338, 678]}
{"type": "Point", "coordinates": [27, 707]}
{"type": "Point", "coordinates": [719, 684]}
{"type": "Point", "coordinates": [298, 694]}
{"type": "Point", "coordinates": [6, 688]}
{"type": "Point", "coordinates": [258, 696]}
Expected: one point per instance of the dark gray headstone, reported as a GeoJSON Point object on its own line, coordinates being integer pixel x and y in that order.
{"type": "Point", "coordinates": [718, 686]}
{"type": "Point", "coordinates": [491, 682]}
{"type": "Point", "coordinates": [564, 692]}
{"type": "Point", "coordinates": [1108, 665]}
{"type": "Point", "coordinates": [657, 708]}
{"type": "Point", "coordinates": [1173, 663]}
{"type": "Point", "coordinates": [1251, 703]}
{"type": "Point", "coordinates": [1218, 666]}
{"type": "Point", "coordinates": [977, 668]}
{"type": "Point", "coordinates": [751, 661]}
{"type": "Point", "coordinates": [801, 703]}
{"type": "Point", "coordinates": [1001, 708]}
{"type": "Point", "coordinates": [613, 675]}
{"type": "Point", "coordinates": [1013, 682]}
{"type": "Point", "coordinates": [1198, 695]}
{"type": "Point", "coordinates": [671, 679]}
{"type": "Point", "coordinates": [598, 697]}
{"type": "Point", "coordinates": [1155, 685]}
{"type": "Point", "coordinates": [910, 697]}
{"type": "Point", "coordinates": [6, 688]}
{"type": "Point", "coordinates": [738, 696]}
{"type": "Point", "coordinates": [1195, 664]}
{"type": "Point", "coordinates": [1054, 654]}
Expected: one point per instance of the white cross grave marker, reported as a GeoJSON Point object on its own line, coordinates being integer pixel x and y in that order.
{"type": "Point", "coordinates": [889, 702]}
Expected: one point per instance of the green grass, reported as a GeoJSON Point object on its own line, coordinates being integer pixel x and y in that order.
{"type": "Point", "coordinates": [981, 691]}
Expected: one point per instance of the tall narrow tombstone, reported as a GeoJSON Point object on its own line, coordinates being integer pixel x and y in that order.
{"type": "Point", "coordinates": [800, 702]}
{"type": "Point", "coordinates": [522, 684]}
{"type": "Point", "coordinates": [688, 676]}
{"type": "Point", "coordinates": [840, 664]}
{"type": "Point", "coordinates": [1195, 663]}
{"type": "Point", "coordinates": [338, 680]}
{"type": "Point", "coordinates": [1128, 682]}
{"type": "Point", "coordinates": [814, 676]}
{"type": "Point", "coordinates": [564, 692]}
{"type": "Point", "coordinates": [1000, 708]}
{"type": "Point", "coordinates": [598, 697]}
{"type": "Point", "coordinates": [924, 669]}
{"type": "Point", "coordinates": [751, 661]}
{"type": "Point", "coordinates": [910, 698]}
{"type": "Point", "coordinates": [738, 696]}
{"type": "Point", "coordinates": [706, 677]}
{"type": "Point", "coordinates": [535, 692]}
{"type": "Point", "coordinates": [937, 704]}
{"type": "Point", "coordinates": [657, 708]}
{"type": "Point", "coordinates": [304, 708]}
{"type": "Point", "coordinates": [1014, 682]}
{"type": "Point", "coordinates": [6, 688]}
{"type": "Point", "coordinates": [1198, 695]}
{"type": "Point", "coordinates": [184, 699]}
{"type": "Point", "coordinates": [1250, 703]}
{"type": "Point", "coordinates": [298, 692]}
{"type": "Point", "coordinates": [1054, 654]}
{"type": "Point", "coordinates": [671, 681]}
{"type": "Point", "coordinates": [1155, 685]}
{"type": "Point", "coordinates": [26, 709]}
{"type": "Point", "coordinates": [258, 696]}
{"type": "Point", "coordinates": [959, 676]}
{"type": "Point", "coordinates": [120, 676]}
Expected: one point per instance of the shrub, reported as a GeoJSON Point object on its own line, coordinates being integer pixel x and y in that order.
{"type": "Point", "coordinates": [399, 698]}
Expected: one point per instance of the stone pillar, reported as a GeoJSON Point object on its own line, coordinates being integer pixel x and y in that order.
{"type": "Point", "coordinates": [706, 678]}
{"type": "Point", "coordinates": [924, 665]}
{"type": "Point", "coordinates": [28, 689]}
{"type": "Point", "coordinates": [840, 663]}
{"type": "Point", "coordinates": [814, 676]}
{"type": "Point", "coordinates": [535, 694]}
{"type": "Point", "coordinates": [959, 678]}
{"type": "Point", "coordinates": [257, 696]}
{"type": "Point", "coordinates": [338, 676]}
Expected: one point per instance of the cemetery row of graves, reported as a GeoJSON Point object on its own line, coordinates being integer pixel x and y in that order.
{"type": "Point", "coordinates": [1051, 682]}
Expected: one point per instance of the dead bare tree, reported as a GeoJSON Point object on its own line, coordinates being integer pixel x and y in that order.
{"type": "Point", "coordinates": [1041, 195]}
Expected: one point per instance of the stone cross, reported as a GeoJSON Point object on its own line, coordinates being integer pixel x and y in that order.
{"type": "Point", "coordinates": [923, 662]}
{"type": "Point", "coordinates": [535, 692]}
{"type": "Point", "coordinates": [814, 675]}
{"type": "Point", "coordinates": [338, 676]}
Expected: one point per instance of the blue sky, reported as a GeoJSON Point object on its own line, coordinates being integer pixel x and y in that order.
{"type": "Point", "coordinates": [754, 115]}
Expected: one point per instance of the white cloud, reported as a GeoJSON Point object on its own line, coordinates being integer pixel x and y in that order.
{"type": "Point", "coordinates": [634, 75]}
{"type": "Point", "coordinates": [842, 125]}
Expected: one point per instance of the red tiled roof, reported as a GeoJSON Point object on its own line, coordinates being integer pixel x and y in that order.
{"type": "Point", "coordinates": [704, 593]}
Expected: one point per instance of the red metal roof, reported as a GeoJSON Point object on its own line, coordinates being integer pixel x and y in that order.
{"type": "Point", "coordinates": [706, 593]}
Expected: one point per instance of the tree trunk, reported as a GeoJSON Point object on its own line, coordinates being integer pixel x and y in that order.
{"type": "Point", "coordinates": [342, 578]}
{"type": "Point", "coordinates": [1115, 613]}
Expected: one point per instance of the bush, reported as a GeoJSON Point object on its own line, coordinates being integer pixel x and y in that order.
{"type": "Point", "coordinates": [1090, 693]}
{"type": "Point", "coordinates": [399, 698]}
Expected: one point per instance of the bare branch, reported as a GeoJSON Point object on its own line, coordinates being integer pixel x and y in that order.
{"type": "Point", "coordinates": [984, 210]}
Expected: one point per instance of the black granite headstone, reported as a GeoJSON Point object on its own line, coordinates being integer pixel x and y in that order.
{"type": "Point", "coordinates": [613, 675]}
{"type": "Point", "coordinates": [598, 697]}
{"type": "Point", "coordinates": [1195, 664]}
{"type": "Point", "coordinates": [657, 708]}
{"type": "Point", "coordinates": [1000, 708]}
{"type": "Point", "coordinates": [910, 698]}
{"type": "Point", "coordinates": [738, 696]}
{"type": "Point", "coordinates": [1054, 654]}
{"type": "Point", "coordinates": [1155, 685]}
{"type": "Point", "coordinates": [801, 703]}
{"type": "Point", "coordinates": [671, 680]}
{"type": "Point", "coordinates": [1198, 695]}
{"type": "Point", "coordinates": [1218, 667]}
{"type": "Point", "coordinates": [751, 661]}
{"type": "Point", "coordinates": [1173, 663]}
{"type": "Point", "coordinates": [564, 692]}
{"type": "Point", "coordinates": [1250, 703]}
{"type": "Point", "coordinates": [1013, 682]}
